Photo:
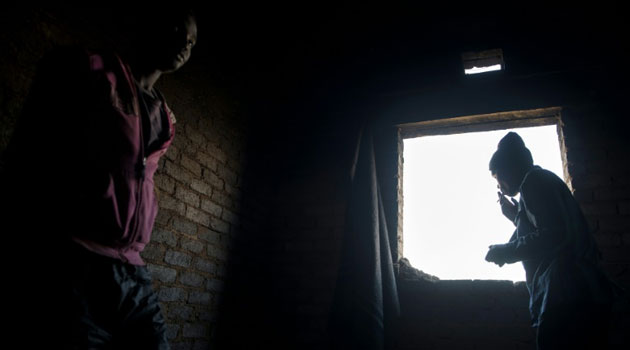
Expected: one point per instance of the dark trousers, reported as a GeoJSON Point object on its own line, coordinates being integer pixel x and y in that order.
{"type": "Point", "coordinates": [574, 327]}
{"type": "Point", "coordinates": [107, 304]}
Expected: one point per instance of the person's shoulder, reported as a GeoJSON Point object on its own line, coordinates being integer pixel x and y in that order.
{"type": "Point", "coordinates": [103, 59]}
{"type": "Point", "coordinates": [537, 172]}
{"type": "Point", "coordinates": [540, 179]}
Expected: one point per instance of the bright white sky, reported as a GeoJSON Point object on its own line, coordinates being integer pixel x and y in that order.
{"type": "Point", "coordinates": [450, 213]}
{"type": "Point", "coordinates": [477, 70]}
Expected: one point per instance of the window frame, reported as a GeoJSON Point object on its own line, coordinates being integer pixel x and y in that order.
{"type": "Point", "coordinates": [473, 123]}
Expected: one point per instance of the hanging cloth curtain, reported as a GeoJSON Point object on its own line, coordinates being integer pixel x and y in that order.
{"type": "Point", "coordinates": [365, 304]}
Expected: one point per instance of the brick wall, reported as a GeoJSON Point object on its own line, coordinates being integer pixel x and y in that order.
{"type": "Point", "coordinates": [597, 156]}
{"type": "Point", "coordinates": [308, 221]}
{"type": "Point", "coordinates": [200, 190]}
{"type": "Point", "coordinates": [464, 315]}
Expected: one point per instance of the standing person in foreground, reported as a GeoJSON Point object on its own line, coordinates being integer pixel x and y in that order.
{"type": "Point", "coordinates": [83, 156]}
{"type": "Point", "coordinates": [570, 296]}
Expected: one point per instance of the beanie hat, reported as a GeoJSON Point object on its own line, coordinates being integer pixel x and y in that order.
{"type": "Point", "coordinates": [511, 152]}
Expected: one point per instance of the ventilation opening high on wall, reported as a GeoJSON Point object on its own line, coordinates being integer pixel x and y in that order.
{"type": "Point", "coordinates": [483, 61]}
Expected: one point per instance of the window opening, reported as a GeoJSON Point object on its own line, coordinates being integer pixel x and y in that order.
{"type": "Point", "coordinates": [450, 212]}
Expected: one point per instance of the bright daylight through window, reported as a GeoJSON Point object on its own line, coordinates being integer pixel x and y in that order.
{"type": "Point", "coordinates": [450, 213]}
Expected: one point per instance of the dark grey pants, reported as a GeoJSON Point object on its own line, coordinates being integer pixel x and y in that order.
{"type": "Point", "coordinates": [110, 305]}
{"type": "Point", "coordinates": [575, 327]}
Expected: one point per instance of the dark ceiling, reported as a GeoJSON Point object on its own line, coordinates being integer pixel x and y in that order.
{"type": "Point", "coordinates": [382, 43]}
{"type": "Point", "coordinates": [293, 46]}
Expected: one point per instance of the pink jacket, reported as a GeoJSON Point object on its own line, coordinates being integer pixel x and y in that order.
{"type": "Point", "coordinates": [120, 200]}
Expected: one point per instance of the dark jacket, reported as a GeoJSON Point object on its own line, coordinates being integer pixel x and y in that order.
{"type": "Point", "coordinates": [77, 160]}
{"type": "Point", "coordinates": [553, 241]}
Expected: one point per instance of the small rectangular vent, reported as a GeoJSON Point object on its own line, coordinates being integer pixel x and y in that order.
{"type": "Point", "coordinates": [483, 61]}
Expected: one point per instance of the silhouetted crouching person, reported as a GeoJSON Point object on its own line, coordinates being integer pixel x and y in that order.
{"type": "Point", "coordinates": [78, 189]}
{"type": "Point", "coordinates": [570, 296]}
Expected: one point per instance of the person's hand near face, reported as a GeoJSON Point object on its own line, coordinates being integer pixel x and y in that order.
{"type": "Point", "coordinates": [509, 207]}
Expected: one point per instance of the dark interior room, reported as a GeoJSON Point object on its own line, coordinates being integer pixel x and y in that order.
{"type": "Point", "coordinates": [280, 221]}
